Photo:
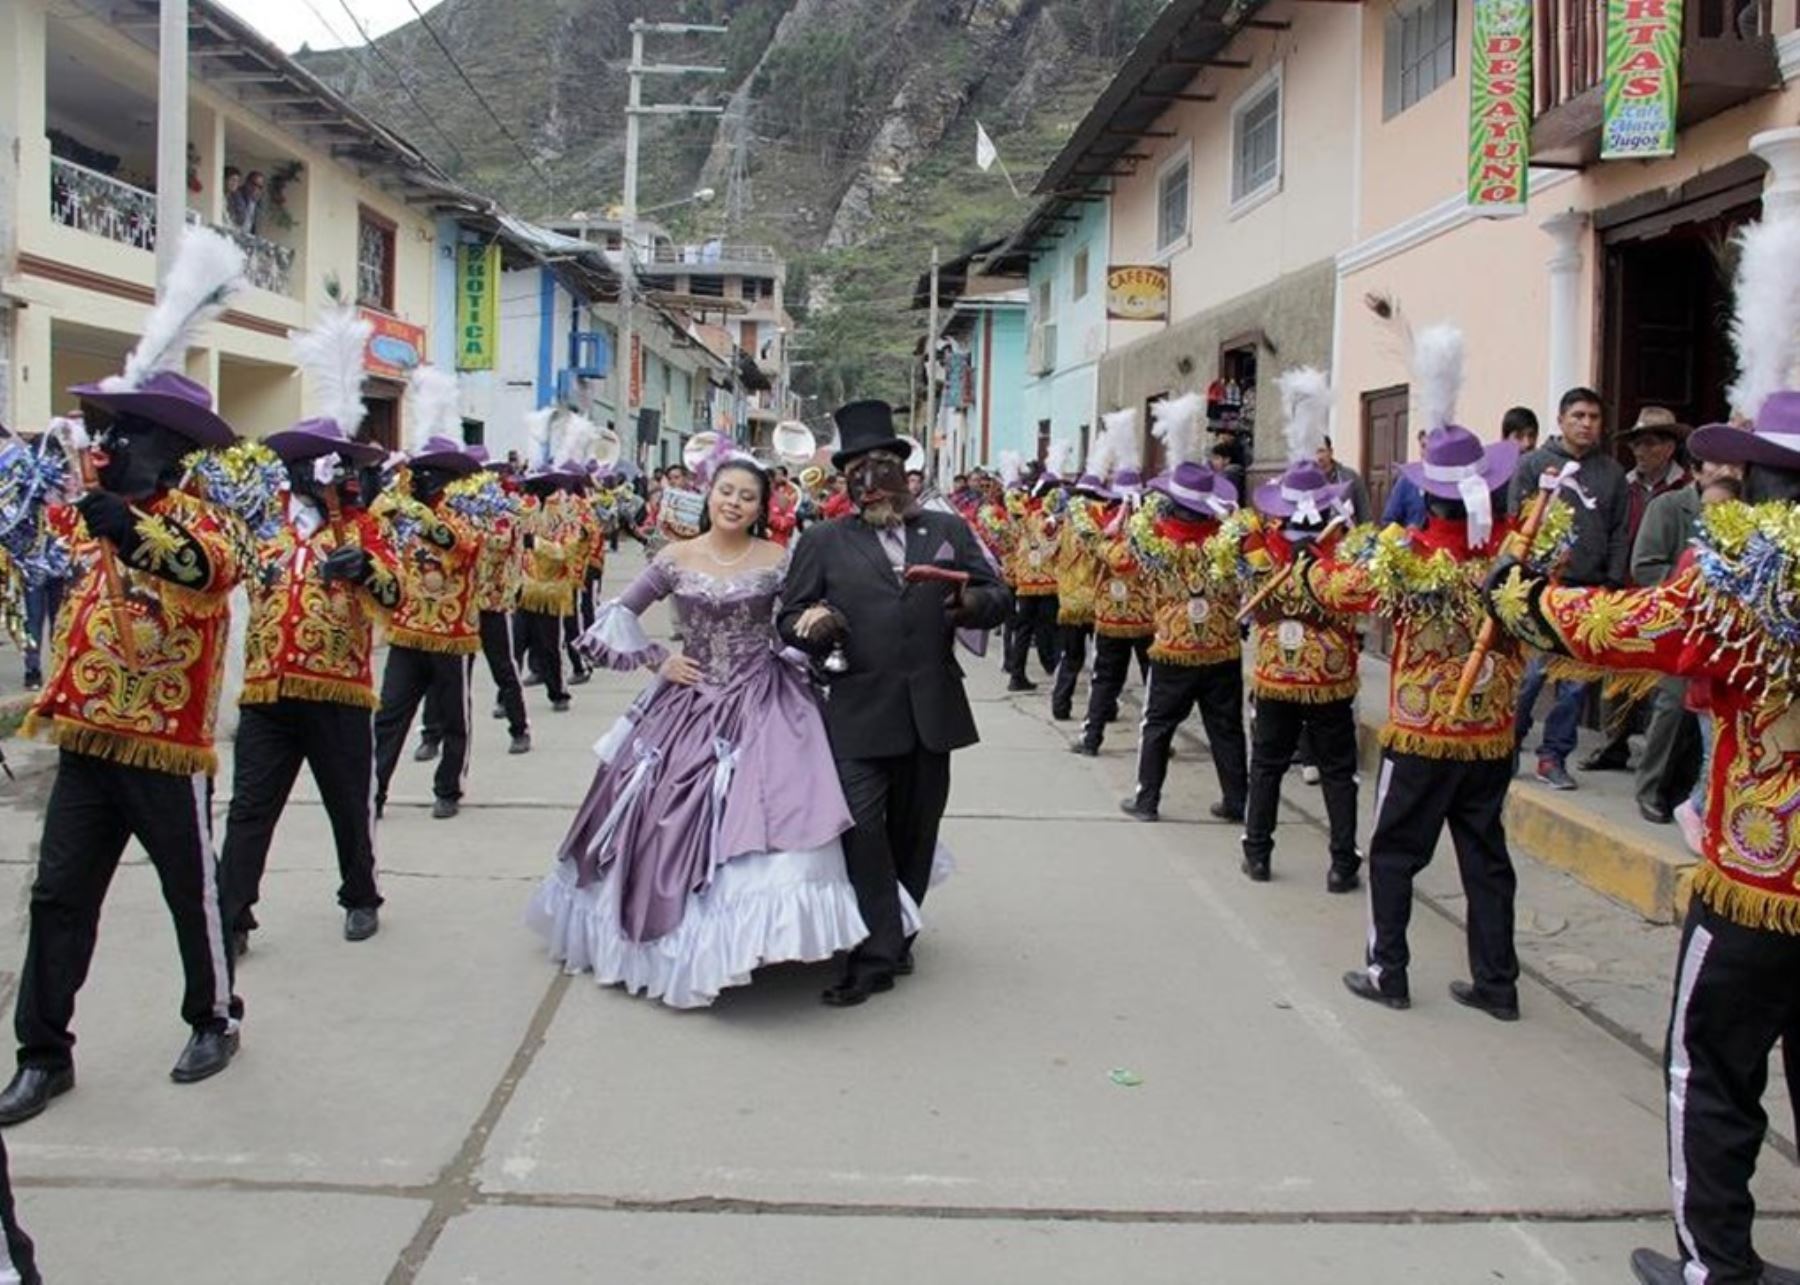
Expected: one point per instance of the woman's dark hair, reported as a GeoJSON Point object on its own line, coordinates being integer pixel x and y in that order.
{"type": "Point", "coordinates": [760, 527]}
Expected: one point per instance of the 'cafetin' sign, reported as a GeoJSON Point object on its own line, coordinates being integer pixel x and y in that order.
{"type": "Point", "coordinates": [1500, 107]}
{"type": "Point", "coordinates": [1137, 292]}
{"type": "Point", "coordinates": [1643, 78]}
{"type": "Point", "coordinates": [477, 290]}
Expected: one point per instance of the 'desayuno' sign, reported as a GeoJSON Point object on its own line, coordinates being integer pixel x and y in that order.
{"type": "Point", "coordinates": [1643, 78]}
{"type": "Point", "coordinates": [1500, 107]}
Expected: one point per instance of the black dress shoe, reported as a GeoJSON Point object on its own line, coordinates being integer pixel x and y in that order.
{"type": "Point", "coordinates": [444, 809]}
{"type": "Point", "coordinates": [1138, 811]}
{"type": "Point", "coordinates": [905, 967]}
{"type": "Point", "coordinates": [1465, 994]}
{"type": "Point", "coordinates": [560, 706]}
{"type": "Point", "coordinates": [361, 923]}
{"type": "Point", "coordinates": [854, 990]}
{"type": "Point", "coordinates": [1361, 985]}
{"type": "Point", "coordinates": [1085, 750]}
{"type": "Point", "coordinates": [579, 677]}
{"type": "Point", "coordinates": [1019, 684]}
{"type": "Point", "coordinates": [1342, 879]}
{"type": "Point", "coordinates": [1656, 814]}
{"type": "Point", "coordinates": [207, 1053]}
{"type": "Point", "coordinates": [499, 711]}
{"type": "Point", "coordinates": [1061, 715]}
{"type": "Point", "coordinates": [1225, 812]}
{"type": "Point", "coordinates": [31, 1089]}
{"type": "Point", "coordinates": [1258, 870]}
{"type": "Point", "coordinates": [1652, 1268]}
{"type": "Point", "coordinates": [521, 744]}
{"type": "Point", "coordinates": [427, 751]}
{"type": "Point", "coordinates": [531, 680]}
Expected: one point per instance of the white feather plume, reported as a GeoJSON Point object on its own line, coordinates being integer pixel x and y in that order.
{"type": "Point", "coordinates": [331, 354]}
{"type": "Point", "coordinates": [580, 441]}
{"type": "Point", "coordinates": [436, 405]}
{"type": "Point", "coordinates": [1012, 467]}
{"type": "Point", "coordinates": [1063, 458]}
{"type": "Point", "coordinates": [208, 269]}
{"type": "Point", "coordinates": [537, 436]}
{"type": "Point", "coordinates": [1437, 372]}
{"type": "Point", "coordinates": [1176, 423]}
{"type": "Point", "coordinates": [1765, 325]}
{"type": "Point", "coordinates": [1120, 435]}
{"type": "Point", "coordinates": [1306, 406]}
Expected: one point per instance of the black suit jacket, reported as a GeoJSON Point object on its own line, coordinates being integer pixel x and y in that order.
{"type": "Point", "coordinates": [903, 687]}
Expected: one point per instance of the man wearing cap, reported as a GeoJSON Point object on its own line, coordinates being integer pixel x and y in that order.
{"type": "Point", "coordinates": [308, 693]}
{"type": "Point", "coordinates": [1196, 653]}
{"type": "Point", "coordinates": [889, 586]}
{"type": "Point", "coordinates": [131, 696]}
{"type": "Point", "coordinates": [1600, 557]}
{"type": "Point", "coordinates": [435, 628]}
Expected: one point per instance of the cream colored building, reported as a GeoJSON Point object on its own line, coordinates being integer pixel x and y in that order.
{"type": "Point", "coordinates": [344, 198]}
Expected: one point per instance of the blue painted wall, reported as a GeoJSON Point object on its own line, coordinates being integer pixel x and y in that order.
{"type": "Point", "coordinates": [1066, 395]}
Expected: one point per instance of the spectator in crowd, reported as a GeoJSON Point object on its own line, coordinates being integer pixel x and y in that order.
{"type": "Point", "coordinates": [244, 206]}
{"type": "Point", "coordinates": [1599, 557]}
{"type": "Point", "coordinates": [1520, 425]}
{"type": "Point", "coordinates": [1406, 502]}
{"type": "Point", "coordinates": [1343, 475]}
{"type": "Point", "coordinates": [234, 180]}
{"type": "Point", "coordinates": [915, 482]}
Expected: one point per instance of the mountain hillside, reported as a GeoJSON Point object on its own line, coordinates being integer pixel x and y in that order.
{"type": "Point", "coordinates": [847, 137]}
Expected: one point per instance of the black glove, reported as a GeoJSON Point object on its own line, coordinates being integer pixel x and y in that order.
{"type": "Point", "coordinates": [1497, 573]}
{"type": "Point", "coordinates": [350, 563]}
{"type": "Point", "coordinates": [108, 517]}
{"type": "Point", "coordinates": [529, 542]}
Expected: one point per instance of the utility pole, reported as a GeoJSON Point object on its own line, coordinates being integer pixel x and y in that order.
{"type": "Point", "coordinates": [931, 325]}
{"type": "Point", "coordinates": [171, 132]}
{"type": "Point", "coordinates": [635, 108]}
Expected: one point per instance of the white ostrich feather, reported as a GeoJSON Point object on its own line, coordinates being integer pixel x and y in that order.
{"type": "Point", "coordinates": [580, 441]}
{"type": "Point", "coordinates": [1012, 467]}
{"type": "Point", "coordinates": [1176, 423]}
{"type": "Point", "coordinates": [1437, 372]}
{"type": "Point", "coordinates": [436, 405]}
{"type": "Point", "coordinates": [1063, 458]}
{"type": "Point", "coordinates": [331, 354]}
{"type": "Point", "coordinates": [1765, 325]}
{"type": "Point", "coordinates": [1306, 406]}
{"type": "Point", "coordinates": [537, 436]}
{"type": "Point", "coordinates": [208, 269]}
{"type": "Point", "coordinates": [1119, 436]}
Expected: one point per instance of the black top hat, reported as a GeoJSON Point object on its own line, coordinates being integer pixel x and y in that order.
{"type": "Point", "coordinates": [864, 427]}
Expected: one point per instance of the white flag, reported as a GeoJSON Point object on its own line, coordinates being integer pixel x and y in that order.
{"type": "Point", "coordinates": [985, 151]}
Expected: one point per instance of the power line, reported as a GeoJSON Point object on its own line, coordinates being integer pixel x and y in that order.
{"type": "Point", "coordinates": [375, 49]}
{"type": "Point", "coordinates": [486, 106]}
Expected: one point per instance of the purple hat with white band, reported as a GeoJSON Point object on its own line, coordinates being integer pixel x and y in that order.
{"type": "Point", "coordinates": [1302, 493]}
{"type": "Point", "coordinates": [1456, 464]}
{"type": "Point", "coordinates": [1198, 489]}
{"type": "Point", "coordinates": [1128, 482]}
{"type": "Point", "coordinates": [1773, 441]}
{"type": "Point", "coordinates": [1088, 484]}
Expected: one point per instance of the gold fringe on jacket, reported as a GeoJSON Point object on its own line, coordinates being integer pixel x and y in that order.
{"type": "Point", "coordinates": [333, 691]}
{"type": "Point", "coordinates": [1108, 630]}
{"type": "Point", "coordinates": [1305, 693]}
{"type": "Point", "coordinates": [122, 747]}
{"type": "Point", "coordinates": [418, 640]}
{"type": "Point", "coordinates": [557, 599]}
{"type": "Point", "coordinates": [1743, 904]}
{"type": "Point", "coordinates": [1436, 745]}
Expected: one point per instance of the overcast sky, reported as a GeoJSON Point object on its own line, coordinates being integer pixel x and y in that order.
{"type": "Point", "coordinates": [323, 24]}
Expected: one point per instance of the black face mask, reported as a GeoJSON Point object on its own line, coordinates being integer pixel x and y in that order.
{"type": "Point", "coordinates": [1450, 510]}
{"type": "Point", "coordinates": [541, 488]}
{"type": "Point", "coordinates": [141, 457]}
{"type": "Point", "coordinates": [365, 485]}
{"type": "Point", "coordinates": [315, 477]}
{"type": "Point", "coordinates": [1762, 484]}
{"type": "Point", "coordinates": [429, 483]}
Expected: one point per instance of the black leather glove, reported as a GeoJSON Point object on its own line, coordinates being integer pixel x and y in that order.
{"type": "Point", "coordinates": [108, 517]}
{"type": "Point", "coordinates": [529, 542]}
{"type": "Point", "coordinates": [350, 563]}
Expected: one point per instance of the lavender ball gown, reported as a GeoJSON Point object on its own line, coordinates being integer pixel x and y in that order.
{"type": "Point", "coordinates": [708, 844]}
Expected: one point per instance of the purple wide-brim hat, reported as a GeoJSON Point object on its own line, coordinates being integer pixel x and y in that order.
{"type": "Point", "coordinates": [171, 400]}
{"type": "Point", "coordinates": [1089, 484]}
{"type": "Point", "coordinates": [1302, 487]}
{"type": "Point", "coordinates": [1197, 488]}
{"type": "Point", "coordinates": [1128, 481]}
{"type": "Point", "coordinates": [1773, 442]}
{"type": "Point", "coordinates": [445, 453]}
{"type": "Point", "coordinates": [1454, 455]}
{"type": "Point", "coordinates": [311, 438]}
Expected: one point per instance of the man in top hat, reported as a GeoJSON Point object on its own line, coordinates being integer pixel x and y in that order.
{"type": "Point", "coordinates": [131, 694]}
{"type": "Point", "coordinates": [1441, 765]}
{"type": "Point", "coordinates": [435, 628]}
{"type": "Point", "coordinates": [1305, 674]}
{"type": "Point", "coordinates": [1725, 615]}
{"type": "Point", "coordinates": [889, 585]}
{"type": "Point", "coordinates": [309, 696]}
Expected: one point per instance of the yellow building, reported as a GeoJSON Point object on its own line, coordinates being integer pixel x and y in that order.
{"type": "Point", "coordinates": [339, 196]}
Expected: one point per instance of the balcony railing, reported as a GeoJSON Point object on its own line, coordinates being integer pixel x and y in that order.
{"type": "Point", "coordinates": [710, 252]}
{"type": "Point", "coordinates": [1727, 58]}
{"type": "Point", "coordinates": [100, 205]}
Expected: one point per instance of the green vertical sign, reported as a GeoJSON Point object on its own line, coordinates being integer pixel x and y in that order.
{"type": "Point", "coordinates": [1643, 78]}
{"type": "Point", "coordinates": [1500, 106]}
{"type": "Point", "coordinates": [477, 293]}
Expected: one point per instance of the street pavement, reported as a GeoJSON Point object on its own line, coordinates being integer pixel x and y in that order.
{"type": "Point", "coordinates": [439, 1105]}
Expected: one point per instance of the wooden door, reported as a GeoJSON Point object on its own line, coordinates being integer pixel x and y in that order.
{"type": "Point", "coordinates": [381, 424]}
{"type": "Point", "coordinates": [1384, 425]}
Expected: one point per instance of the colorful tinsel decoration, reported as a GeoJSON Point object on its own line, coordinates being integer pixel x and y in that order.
{"type": "Point", "coordinates": [31, 479]}
{"type": "Point", "coordinates": [480, 498]}
{"type": "Point", "coordinates": [1747, 600]}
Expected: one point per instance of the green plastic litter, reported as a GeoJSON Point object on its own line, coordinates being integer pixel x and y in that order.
{"type": "Point", "coordinates": [1124, 1078]}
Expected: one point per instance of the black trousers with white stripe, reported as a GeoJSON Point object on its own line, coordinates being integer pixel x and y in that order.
{"type": "Point", "coordinates": [410, 675]}
{"type": "Point", "coordinates": [17, 1253]}
{"type": "Point", "coordinates": [338, 743]}
{"type": "Point", "coordinates": [1071, 659]}
{"type": "Point", "coordinates": [1172, 693]}
{"type": "Point", "coordinates": [1112, 664]}
{"type": "Point", "coordinates": [1415, 799]}
{"type": "Point", "coordinates": [96, 807]}
{"type": "Point", "coordinates": [1737, 991]}
{"type": "Point", "coordinates": [497, 645]}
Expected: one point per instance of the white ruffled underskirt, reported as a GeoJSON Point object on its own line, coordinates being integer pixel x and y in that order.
{"type": "Point", "coordinates": [765, 908]}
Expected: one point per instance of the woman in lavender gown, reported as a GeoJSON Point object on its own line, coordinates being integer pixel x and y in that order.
{"type": "Point", "coordinates": [707, 845]}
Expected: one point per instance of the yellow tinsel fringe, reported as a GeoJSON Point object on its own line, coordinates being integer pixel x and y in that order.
{"type": "Point", "coordinates": [1742, 904]}
{"type": "Point", "coordinates": [1074, 618]}
{"type": "Point", "coordinates": [1193, 658]}
{"type": "Point", "coordinates": [1035, 591]}
{"type": "Point", "coordinates": [1307, 695]}
{"type": "Point", "coordinates": [122, 747]}
{"type": "Point", "coordinates": [1108, 629]}
{"type": "Point", "coordinates": [548, 600]}
{"type": "Point", "coordinates": [464, 645]}
{"type": "Point", "coordinates": [331, 691]}
{"type": "Point", "coordinates": [1432, 745]}
{"type": "Point", "coordinates": [1627, 685]}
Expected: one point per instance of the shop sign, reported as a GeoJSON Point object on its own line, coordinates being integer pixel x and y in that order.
{"type": "Point", "coordinates": [1500, 107]}
{"type": "Point", "coordinates": [1137, 292]}
{"type": "Point", "coordinates": [394, 347]}
{"type": "Point", "coordinates": [477, 290]}
{"type": "Point", "coordinates": [1643, 79]}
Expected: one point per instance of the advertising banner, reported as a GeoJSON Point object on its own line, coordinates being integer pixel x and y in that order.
{"type": "Point", "coordinates": [1643, 78]}
{"type": "Point", "coordinates": [1137, 292]}
{"type": "Point", "coordinates": [394, 348]}
{"type": "Point", "coordinates": [477, 290]}
{"type": "Point", "coordinates": [1500, 107]}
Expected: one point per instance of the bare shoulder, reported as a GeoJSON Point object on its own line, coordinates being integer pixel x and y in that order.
{"type": "Point", "coordinates": [766, 554]}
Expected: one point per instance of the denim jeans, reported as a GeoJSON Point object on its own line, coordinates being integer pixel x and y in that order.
{"type": "Point", "coordinates": [1698, 798]}
{"type": "Point", "coordinates": [41, 603]}
{"type": "Point", "coordinates": [1565, 711]}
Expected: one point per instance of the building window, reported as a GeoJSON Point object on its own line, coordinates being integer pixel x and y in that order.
{"type": "Point", "coordinates": [1256, 142]}
{"type": "Point", "coordinates": [707, 287]}
{"type": "Point", "coordinates": [1172, 204]}
{"type": "Point", "coordinates": [1079, 287]}
{"type": "Point", "coordinates": [374, 260]}
{"type": "Point", "coordinates": [1043, 306]}
{"type": "Point", "coordinates": [754, 289]}
{"type": "Point", "coordinates": [1420, 53]}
